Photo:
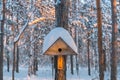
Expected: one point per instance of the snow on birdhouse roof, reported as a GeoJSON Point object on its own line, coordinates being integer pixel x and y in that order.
{"type": "Point", "coordinates": [55, 34]}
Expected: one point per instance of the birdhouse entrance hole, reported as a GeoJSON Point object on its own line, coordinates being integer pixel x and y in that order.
{"type": "Point", "coordinates": [59, 49]}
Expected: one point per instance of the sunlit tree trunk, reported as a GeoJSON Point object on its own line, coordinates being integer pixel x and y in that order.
{"type": "Point", "coordinates": [114, 42]}
{"type": "Point", "coordinates": [1, 39]}
{"type": "Point", "coordinates": [100, 50]}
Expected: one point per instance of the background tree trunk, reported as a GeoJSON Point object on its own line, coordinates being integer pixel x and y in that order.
{"type": "Point", "coordinates": [71, 60]}
{"type": "Point", "coordinates": [76, 56]}
{"type": "Point", "coordinates": [31, 69]}
{"type": "Point", "coordinates": [104, 52]}
{"type": "Point", "coordinates": [55, 66]}
{"type": "Point", "coordinates": [17, 50]}
{"type": "Point", "coordinates": [13, 67]}
{"type": "Point", "coordinates": [89, 70]}
{"type": "Point", "coordinates": [8, 62]}
{"type": "Point", "coordinates": [1, 39]}
{"type": "Point", "coordinates": [114, 41]}
{"type": "Point", "coordinates": [100, 50]}
{"type": "Point", "coordinates": [17, 58]}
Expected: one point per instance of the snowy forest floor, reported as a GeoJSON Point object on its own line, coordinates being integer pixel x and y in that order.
{"type": "Point", "coordinates": [45, 73]}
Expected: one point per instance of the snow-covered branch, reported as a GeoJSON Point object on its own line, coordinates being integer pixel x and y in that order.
{"type": "Point", "coordinates": [36, 21]}
{"type": "Point", "coordinates": [30, 24]}
{"type": "Point", "coordinates": [21, 31]}
{"type": "Point", "coordinates": [39, 20]}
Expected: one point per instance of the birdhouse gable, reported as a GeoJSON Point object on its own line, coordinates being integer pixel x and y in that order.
{"type": "Point", "coordinates": [59, 41]}
{"type": "Point", "coordinates": [59, 47]}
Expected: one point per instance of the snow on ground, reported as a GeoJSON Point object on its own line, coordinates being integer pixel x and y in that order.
{"type": "Point", "coordinates": [45, 73]}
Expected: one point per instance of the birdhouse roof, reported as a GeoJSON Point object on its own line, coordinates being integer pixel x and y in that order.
{"type": "Point", "coordinates": [54, 35]}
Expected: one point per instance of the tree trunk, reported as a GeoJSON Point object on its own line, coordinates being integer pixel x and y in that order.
{"type": "Point", "coordinates": [52, 62]}
{"type": "Point", "coordinates": [104, 52]}
{"type": "Point", "coordinates": [96, 58]}
{"type": "Point", "coordinates": [76, 56]}
{"type": "Point", "coordinates": [55, 66]}
{"type": "Point", "coordinates": [89, 71]}
{"type": "Point", "coordinates": [7, 52]}
{"type": "Point", "coordinates": [61, 73]}
{"type": "Point", "coordinates": [17, 50]}
{"type": "Point", "coordinates": [34, 62]}
{"type": "Point", "coordinates": [100, 50]}
{"type": "Point", "coordinates": [8, 61]}
{"type": "Point", "coordinates": [71, 60]}
{"type": "Point", "coordinates": [1, 40]}
{"type": "Point", "coordinates": [61, 10]}
{"type": "Point", "coordinates": [13, 67]}
{"type": "Point", "coordinates": [114, 41]}
{"type": "Point", "coordinates": [17, 59]}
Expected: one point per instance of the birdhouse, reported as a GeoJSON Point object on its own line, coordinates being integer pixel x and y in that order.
{"type": "Point", "coordinates": [59, 42]}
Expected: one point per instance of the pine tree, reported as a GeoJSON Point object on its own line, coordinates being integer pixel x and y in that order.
{"type": "Point", "coordinates": [1, 39]}
{"type": "Point", "coordinates": [100, 50]}
{"type": "Point", "coordinates": [114, 45]}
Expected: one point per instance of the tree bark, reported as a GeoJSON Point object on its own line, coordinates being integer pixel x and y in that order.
{"type": "Point", "coordinates": [8, 62]}
{"type": "Point", "coordinates": [89, 70]}
{"type": "Point", "coordinates": [61, 73]}
{"type": "Point", "coordinates": [76, 40]}
{"type": "Point", "coordinates": [13, 67]}
{"type": "Point", "coordinates": [55, 66]}
{"type": "Point", "coordinates": [17, 50]}
{"type": "Point", "coordinates": [71, 60]}
{"type": "Point", "coordinates": [61, 13]}
{"type": "Point", "coordinates": [104, 52]}
{"type": "Point", "coordinates": [1, 39]}
{"type": "Point", "coordinates": [100, 50]}
{"type": "Point", "coordinates": [34, 61]}
{"type": "Point", "coordinates": [31, 69]}
{"type": "Point", "coordinates": [17, 59]}
{"type": "Point", "coordinates": [114, 41]}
